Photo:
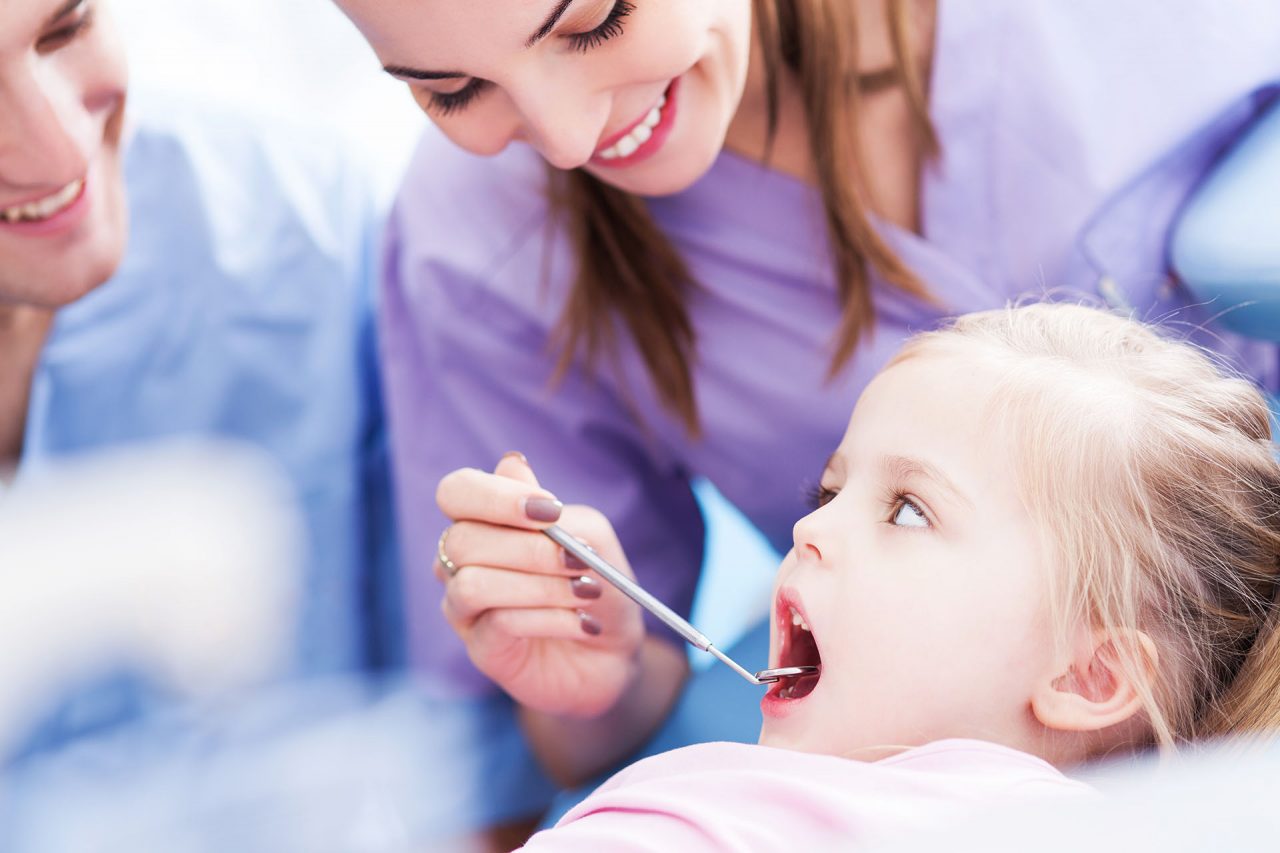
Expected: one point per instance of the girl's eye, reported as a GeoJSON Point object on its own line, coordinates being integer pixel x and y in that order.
{"type": "Point", "coordinates": [820, 496]}
{"type": "Point", "coordinates": [447, 103]}
{"type": "Point", "coordinates": [611, 26]}
{"type": "Point", "coordinates": [907, 514]}
{"type": "Point", "coordinates": [67, 33]}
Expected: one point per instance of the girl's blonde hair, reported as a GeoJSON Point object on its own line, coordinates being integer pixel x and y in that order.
{"type": "Point", "coordinates": [1151, 472]}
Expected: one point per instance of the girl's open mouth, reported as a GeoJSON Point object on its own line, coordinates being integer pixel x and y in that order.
{"type": "Point", "coordinates": [799, 648]}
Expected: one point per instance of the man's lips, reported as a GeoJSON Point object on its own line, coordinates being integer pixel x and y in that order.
{"type": "Point", "coordinates": [60, 215]}
{"type": "Point", "coordinates": [43, 206]}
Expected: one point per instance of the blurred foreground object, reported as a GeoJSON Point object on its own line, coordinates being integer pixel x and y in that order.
{"type": "Point", "coordinates": [179, 562]}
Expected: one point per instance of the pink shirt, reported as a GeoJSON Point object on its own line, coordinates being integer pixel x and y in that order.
{"type": "Point", "coordinates": [731, 796]}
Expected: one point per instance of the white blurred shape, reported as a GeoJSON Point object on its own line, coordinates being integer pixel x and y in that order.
{"type": "Point", "coordinates": [180, 561]}
{"type": "Point", "coordinates": [299, 60]}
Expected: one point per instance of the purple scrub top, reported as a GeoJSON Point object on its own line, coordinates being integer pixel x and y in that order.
{"type": "Point", "coordinates": [1071, 134]}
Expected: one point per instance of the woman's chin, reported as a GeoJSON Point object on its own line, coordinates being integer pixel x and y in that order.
{"type": "Point", "coordinates": [669, 172]}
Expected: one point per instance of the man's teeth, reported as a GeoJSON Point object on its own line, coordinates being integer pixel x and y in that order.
{"type": "Point", "coordinates": [45, 207]}
{"type": "Point", "coordinates": [639, 135]}
{"type": "Point", "coordinates": [798, 620]}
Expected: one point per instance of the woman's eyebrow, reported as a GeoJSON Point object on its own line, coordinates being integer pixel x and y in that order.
{"type": "Point", "coordinates": [550, 23]}
{"type": "Point", "coordinates": [67, 8]}
{"type": "Point", "coordinates": [419, 74]}
{"type": "Point", "coordinates": [904, 467]}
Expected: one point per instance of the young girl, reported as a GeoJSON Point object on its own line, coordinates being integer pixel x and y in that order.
{"type": "Point", "coordinates": [1048, 535]}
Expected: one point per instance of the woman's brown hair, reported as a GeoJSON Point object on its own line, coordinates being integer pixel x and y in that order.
{"type": "Point", "coordinates": [629, 271]}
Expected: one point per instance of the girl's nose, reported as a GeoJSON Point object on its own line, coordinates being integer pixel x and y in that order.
{"type": "Point", "coordinates": [809, 540]}
{"type": "Point", "coordinates": [45, 134]}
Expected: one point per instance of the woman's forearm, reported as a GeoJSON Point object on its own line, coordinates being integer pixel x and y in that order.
{"type": "Point", "coordinates": [573, 750]}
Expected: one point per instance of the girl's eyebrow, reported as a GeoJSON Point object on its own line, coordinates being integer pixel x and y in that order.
{"type": "Point", "coordinates": [419, 74]}
{"type": "Point", "coordinates": [904, 467]}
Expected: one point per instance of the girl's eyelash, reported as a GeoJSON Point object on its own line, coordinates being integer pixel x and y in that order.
{"type": "Point", "coordinates": [610, 27]}
{"type": "Point", "coordinates": [819, 496]}
{"type": "Point", "coordinates": [448, 103]}
{"type": "Point", "coordinates": [63, 35]}
{"type": "Point", "coordinates": [897, 500]}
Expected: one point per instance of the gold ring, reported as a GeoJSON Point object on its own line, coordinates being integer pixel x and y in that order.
{"type": "Point", "coordinates": [449, 567]}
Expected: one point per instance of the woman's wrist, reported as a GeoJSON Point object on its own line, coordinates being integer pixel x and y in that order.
{"type": "Point", "coordinates": [574, 749]}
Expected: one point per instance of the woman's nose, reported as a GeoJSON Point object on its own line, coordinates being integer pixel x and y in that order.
{"type": "Point", "coordinates": [44, 134]}
{"type": "Point", "coordinates": [564, 130]}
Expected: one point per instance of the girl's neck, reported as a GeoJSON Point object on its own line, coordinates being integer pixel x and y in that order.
{"type": "Point", "coordinates": [23, 331]}
{"type": "Point", "coordinates": [884, 123]}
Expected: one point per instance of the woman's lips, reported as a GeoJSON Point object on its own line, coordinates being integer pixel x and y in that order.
{"type": "Point", "coordinates": [643, 137]}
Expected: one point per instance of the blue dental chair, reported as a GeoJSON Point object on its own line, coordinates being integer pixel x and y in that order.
{"type": "Point", "coordinates": [1224, 247]}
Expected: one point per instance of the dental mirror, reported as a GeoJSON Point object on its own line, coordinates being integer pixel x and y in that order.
{"type": "Point", "coordinates": [640, 596]}
{"type": "Point", "coordinates": [768, 676]}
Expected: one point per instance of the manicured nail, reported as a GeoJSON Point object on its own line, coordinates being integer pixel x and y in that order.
{"type": "Point", "coordinates": [542, 509]}
{"type": "Point", "coordinates": [585, 587]}
{"type": "Point", "coordinates": [517, 454]}
{"type": "Point", "coordinates": [589, 623]}
{"type": "Point", "coordinates": [572, 563]}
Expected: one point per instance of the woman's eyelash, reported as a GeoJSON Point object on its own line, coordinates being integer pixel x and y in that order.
{"type": "Point", "coordinates": [611, 26]}
{"type": "Point", "coordinates": [448, 103]}
{"type": "Point", "coordinates": [65, 34]}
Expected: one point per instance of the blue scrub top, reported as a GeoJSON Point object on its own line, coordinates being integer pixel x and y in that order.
{"type": "Point", "coordinates": [241, 310]}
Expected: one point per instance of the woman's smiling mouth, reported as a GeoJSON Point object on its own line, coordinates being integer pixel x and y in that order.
{"type": "Point", "coordinates": [645, 135]}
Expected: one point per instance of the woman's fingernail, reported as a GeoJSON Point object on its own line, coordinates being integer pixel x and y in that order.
{"type": "Point", "coordinates": [589, 623]}
{"type": "Point", "coordinates": [572, 562]}
{"type": "Point", "coordinates": [585, 587]}
{"type": "Point", "coordinates": [517, 454]}
{"type": "Point", "coordinates": [542, 509]}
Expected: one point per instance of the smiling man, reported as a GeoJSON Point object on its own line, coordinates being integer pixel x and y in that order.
{"type": "Point", "coordinates": [166, 269]}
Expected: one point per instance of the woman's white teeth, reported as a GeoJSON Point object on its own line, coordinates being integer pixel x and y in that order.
{"type": "Point", "coordinates": [639, 135]}
{"type": "Point", "coordinates": [45, 207]}
{"type": "Point", "coordinates": [798, 620]}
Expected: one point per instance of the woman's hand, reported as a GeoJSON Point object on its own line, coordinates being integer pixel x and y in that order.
{"type": "Point", "coordinates": [551, 633]}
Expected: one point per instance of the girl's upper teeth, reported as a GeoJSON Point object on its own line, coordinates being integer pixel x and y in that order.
{"type": "Point", "coordinates": [637, 136]}
{"type": "Point", "coordinates": [798, 620]}
{"type": "Point", "coordinates": [45, 207]}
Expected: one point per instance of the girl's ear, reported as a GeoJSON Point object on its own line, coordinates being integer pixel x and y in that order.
{"type": "Point", "coordinates": [1095, 692]}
